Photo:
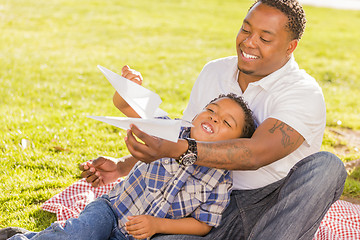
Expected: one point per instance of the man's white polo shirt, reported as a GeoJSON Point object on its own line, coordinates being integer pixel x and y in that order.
{"type": "Point", "coordinates": [288, 94]}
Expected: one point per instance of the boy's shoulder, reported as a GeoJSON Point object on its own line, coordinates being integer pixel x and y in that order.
{"type": "Point", "coordinates": [211, 177]}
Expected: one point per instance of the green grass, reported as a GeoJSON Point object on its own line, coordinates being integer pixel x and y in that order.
{"type": "Point", "coordinates": [50, 83]}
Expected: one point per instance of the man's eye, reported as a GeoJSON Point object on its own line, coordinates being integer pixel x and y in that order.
{"type": "Point", "coordinates": [264, 40]}
{"type": "Point", "coordinates": [244, 30]}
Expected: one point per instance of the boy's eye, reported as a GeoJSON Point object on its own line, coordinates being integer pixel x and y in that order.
{"type": "Point", "coordinates": [210, 110]}
{"type": "Point", "coordinates": [227, 123]}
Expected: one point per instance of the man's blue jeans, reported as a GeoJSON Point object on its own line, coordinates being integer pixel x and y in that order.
{"type": "Point", "coordinates": [97, 221]}
{"type": "Point", "coordinates": [289, 209]}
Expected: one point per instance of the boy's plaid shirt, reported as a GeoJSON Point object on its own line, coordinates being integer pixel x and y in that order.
{"type": "Point", "coordinates": [166, 189]}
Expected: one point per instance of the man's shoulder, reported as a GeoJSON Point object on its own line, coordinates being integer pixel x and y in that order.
{"type": "Point", "coordinates": [224, 67]}
{"type": "Point", "coordinates": [223, 62]}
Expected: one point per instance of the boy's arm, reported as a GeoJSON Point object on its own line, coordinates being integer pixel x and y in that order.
{"type": "Point", "coordinates": [123, 106]}
{"type": "Point", "coordinates": [118, 101]}
{"type": "Point", "coordinates": [144, 226]}
{"type": "Point", "coordinates": [104, 170]}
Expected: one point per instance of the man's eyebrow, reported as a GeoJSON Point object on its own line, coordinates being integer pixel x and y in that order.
{"type": "Point", "coordinates": [265, 31]}
{"type": "Point", "coordinates": [247, 22]}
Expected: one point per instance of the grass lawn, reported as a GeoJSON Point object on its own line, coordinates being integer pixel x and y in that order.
{"type": "Point", "coordinates": [50, 83]}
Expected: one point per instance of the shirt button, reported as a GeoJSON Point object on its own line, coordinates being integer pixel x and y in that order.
{"type": "Point", "coordinates": [166, 161]}
{"type": "Point", "coordinates": [175, 181]}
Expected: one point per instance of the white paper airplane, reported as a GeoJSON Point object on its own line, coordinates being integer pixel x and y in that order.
{"type": "Point", "coordinates": [146, 104]}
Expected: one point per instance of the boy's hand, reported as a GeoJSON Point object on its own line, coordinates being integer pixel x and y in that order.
{"type": "Point", "coordinates": [100, 171]}
{"type": "Point", "coordinates": [131, 74]}
{"type": "Point", "coordinates": [142, 226]}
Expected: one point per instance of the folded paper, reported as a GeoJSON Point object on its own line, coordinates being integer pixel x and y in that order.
{"type": "Point", "coordinates": [163, 128]}
{"type": "Point", "coordinates": [142, 100]}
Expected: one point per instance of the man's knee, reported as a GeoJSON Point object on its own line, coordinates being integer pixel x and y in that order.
{"type": "Point", "coordinates": [332, 166]}
{"type": "Point", "coordinates": [331, 172]}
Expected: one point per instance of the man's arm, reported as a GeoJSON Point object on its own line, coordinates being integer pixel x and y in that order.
{"type": "Point", "coordinates": [271, 141]}
{"type": "Point", "coordinates": [144, 226]}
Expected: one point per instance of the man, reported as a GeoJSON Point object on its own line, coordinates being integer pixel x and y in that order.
{"type": "Point", "coordinates": [282, 185]}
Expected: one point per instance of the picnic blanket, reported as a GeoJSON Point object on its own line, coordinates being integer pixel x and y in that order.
{"type": "Point", "coordinates": [341, 222]}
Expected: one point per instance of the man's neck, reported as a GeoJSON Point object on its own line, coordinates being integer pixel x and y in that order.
{"type": "Point", "coordinates": [245, 79]}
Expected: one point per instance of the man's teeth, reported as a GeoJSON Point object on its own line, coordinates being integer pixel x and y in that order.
{"type": "Point", "coordinates": [249, 56]}
{"type": "Point", "coordinates": [207, 128]}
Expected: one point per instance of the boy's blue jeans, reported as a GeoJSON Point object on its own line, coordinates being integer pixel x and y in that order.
{"type": "Point", "coordinates": [291, 208]}
{"type": "Point", "coordinates": [97, 221]}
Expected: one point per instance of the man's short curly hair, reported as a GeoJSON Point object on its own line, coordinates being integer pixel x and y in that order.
{"type": "Point", "coordinates": [293, 10]}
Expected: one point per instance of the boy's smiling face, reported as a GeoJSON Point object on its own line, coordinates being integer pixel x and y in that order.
{"type": "Point", "coordinates": [220, 120]}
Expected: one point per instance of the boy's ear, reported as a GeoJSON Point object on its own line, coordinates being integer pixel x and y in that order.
{"type": "Point", "coordinates": [292, 46]}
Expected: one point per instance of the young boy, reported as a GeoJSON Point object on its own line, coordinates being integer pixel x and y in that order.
{"type": "Point", "coordinates": [164, 196]}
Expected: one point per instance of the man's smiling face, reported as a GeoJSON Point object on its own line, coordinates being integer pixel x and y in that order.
{"type": "Point", "coordinates": [263, 43]}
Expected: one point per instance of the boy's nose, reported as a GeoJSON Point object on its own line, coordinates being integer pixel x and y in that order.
{"type": "Point", "coordinates": [214, 118]}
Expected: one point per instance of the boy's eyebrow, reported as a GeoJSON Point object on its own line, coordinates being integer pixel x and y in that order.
{"type": "Point", "coordinates": [228, 113]}
{"type": "Point", "coordinates": [233, 119]}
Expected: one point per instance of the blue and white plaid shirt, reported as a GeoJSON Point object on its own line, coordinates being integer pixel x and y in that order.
{"type": "Point", "coordinates": [166, 189]}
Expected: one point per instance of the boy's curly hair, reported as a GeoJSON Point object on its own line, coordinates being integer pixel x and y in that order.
{"type": "Point", "coordinates": [249, 126]}
{"type": "Point", "coordinates": [294, 12]}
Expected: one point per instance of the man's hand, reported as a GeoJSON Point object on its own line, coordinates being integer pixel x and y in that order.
{"type": "Point", "coordinates": [100, 171]}
{"type": "Point", "coordinates": [142, 226]}
{"type": "Point", "coordinates": [152, 148]}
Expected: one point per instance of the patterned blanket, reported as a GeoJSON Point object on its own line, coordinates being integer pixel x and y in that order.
{"type": "Point", "coordinates": [341, 222]}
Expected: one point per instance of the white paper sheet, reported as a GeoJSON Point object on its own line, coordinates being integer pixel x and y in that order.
{"type": "Point", "coordinates": [142, 100]}
{"type": "Point", "coordinates": [163, 128]}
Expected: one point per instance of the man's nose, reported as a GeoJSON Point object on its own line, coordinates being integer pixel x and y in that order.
{"type": "Point", "coordinates": [250, 41]}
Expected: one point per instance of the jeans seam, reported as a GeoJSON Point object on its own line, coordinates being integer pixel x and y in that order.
{"type": "Point", "coordinates": [316, 223]}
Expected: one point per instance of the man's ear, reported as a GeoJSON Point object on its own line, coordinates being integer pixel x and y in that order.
{"type": "Point", "coordinates": [292, 46]}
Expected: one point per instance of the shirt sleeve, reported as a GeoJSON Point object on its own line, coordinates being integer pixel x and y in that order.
{"type": "Point", "coordinates": [303, 109]}
{"type": "Point", "coordinates": [210, 211]}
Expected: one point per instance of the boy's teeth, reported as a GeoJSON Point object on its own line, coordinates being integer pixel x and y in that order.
{"type": "Point", "coordinates": [207, 128]}
{"type": "Point", "coordinates": [249, 56]}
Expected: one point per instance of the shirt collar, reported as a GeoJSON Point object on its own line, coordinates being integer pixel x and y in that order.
{"type": "Point", "coordinates": [269, 80]}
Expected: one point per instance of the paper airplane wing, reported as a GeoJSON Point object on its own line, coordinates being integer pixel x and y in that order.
{"type": "Point", "coordinates": [163, 128]}
{"type": "Point", "coordinates": [142, 100]}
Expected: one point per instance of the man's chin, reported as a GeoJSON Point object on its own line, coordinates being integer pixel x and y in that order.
{"type": "Point", "coordinates": [248, 72]}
